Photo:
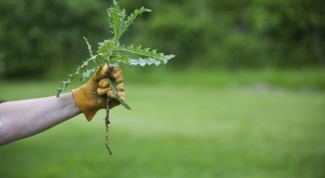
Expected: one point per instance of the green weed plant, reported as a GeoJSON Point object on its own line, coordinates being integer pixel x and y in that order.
{"type": "Point", "coordinates": [112, 52]}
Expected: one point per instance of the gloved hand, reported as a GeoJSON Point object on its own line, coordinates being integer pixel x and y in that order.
{"type": "Point", "coordinates": [87, 96]}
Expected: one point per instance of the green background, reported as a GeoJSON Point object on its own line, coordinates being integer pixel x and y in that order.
{"type": "Point", "coordinates": [179, 130]}
{"type": "Point", "coordinates": [244, 96]}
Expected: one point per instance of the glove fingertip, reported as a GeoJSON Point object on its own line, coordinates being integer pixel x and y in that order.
{"type": "Point", "coordinates": [102, 91]}
{"type": "Point", "coordinates": [117, 72]}
{"type": "Point", "coordinates": [110, 94]}
{"type": "Point", "coordinates": [104, 83]}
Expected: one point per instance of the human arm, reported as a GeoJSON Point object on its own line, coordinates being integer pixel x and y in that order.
{"type": "Point", "coordinates": [24, 118]}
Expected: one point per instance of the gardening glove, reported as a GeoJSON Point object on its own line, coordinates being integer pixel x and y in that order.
{"type": "Point", "coordinates": [87, 96]}
{"type": "Point", "coordinates": [104, 87]}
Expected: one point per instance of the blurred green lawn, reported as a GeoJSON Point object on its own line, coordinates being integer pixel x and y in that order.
{"type": "Point", "coordinates": [177, 130]}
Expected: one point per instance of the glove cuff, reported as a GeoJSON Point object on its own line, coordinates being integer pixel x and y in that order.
{"type": "Point", "coordinates": [85, 104]}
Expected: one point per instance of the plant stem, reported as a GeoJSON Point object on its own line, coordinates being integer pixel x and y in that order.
{"type": "Point", "coordinates": [107, 122]}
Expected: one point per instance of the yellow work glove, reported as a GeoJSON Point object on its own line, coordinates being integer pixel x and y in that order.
{"type": "Point", "coordinates": [87, 96]}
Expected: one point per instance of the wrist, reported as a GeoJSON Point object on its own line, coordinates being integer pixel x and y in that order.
{"type": "Point", "coordinates": [69, 104]}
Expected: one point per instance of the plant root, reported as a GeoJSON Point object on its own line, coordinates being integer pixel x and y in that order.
{"type": "Point", "coordinates": [107, 122]}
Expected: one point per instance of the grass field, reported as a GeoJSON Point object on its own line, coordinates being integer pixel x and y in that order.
{"type": "Point", "coordinates": [176, 130]}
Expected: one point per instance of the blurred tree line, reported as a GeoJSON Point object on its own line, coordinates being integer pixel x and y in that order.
{"type": "Point", "coordinates": [43, 35]}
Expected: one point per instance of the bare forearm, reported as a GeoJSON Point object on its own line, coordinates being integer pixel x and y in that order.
{"type": "Point", "coordinates": [20, 119]}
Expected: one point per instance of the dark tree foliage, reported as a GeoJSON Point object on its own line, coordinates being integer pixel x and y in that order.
{"type": "Point", "coordinates": [238, 34]}
{"type": "Point", "coordinates": [37, 36]}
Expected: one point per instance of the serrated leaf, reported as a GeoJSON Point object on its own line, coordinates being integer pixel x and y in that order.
{"type": "Point", "coordinates": [133, 15]}
{"type": "Point", "coordinates": [84, 64]}
{"type": "Point", "coordinates": [87, 74]}
{"type": "Point", "coordinates": [115, 91]}
{"type": "Point", "coordinates": [58, 92]}
{"type": "Point", "coordinates": [63, 87]}
{"type": "Point", "coordinates": [105, 47]}
{"type": "Point", "coordinates": [118, 58]}
{"type": "Point", "coordinates": [149, 54]}
{"type": "Point", "coordinates": [143, 62]}
{"type": "Point", "coordinates": [89, 47]}
{"type": "Point", "coordinates": [116, 19]}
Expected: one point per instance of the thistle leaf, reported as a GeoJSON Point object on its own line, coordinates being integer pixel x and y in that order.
{"type": "Point", "coordinates": [106, 47]}
{"type": "Point", "coordinates": [115, 91]}
{"type": "Point", "coordinates": [63, 87]}
{"type": "Point", "coordinates": [118, 58]}
{"type": "Point", "coordinates": [87, 74]}
{"type": "Point", "coordinates": [133, 15]}
{"type": "Point", "coordinates": [143, 62]}
{"type": "Point", "coordinates": [89, 47]}
{"type": "Point", "coordinates": [151, 55]}
{"type": "Point", "coordinates": [116, 20]}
